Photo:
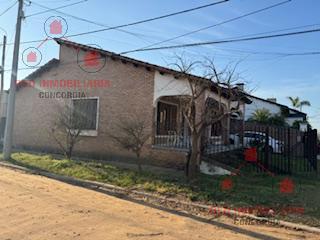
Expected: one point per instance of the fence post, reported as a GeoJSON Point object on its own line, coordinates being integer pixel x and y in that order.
{"type": "Point", "coordinates": [309, 149]}
{"type": "Point", "coordinates": [316, 151]}
{"type": "Point", "coordinates": [266, 148]}
{"type": "Point", "coordinates": [289, 155]}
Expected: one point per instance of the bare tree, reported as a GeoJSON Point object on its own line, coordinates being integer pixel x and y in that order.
{"type": "Point", "coordinates": [67, 127]}
{"type": "Point", "coordinates": [201, 112]}
{"type": "Point", "coordinates": [132, 136]}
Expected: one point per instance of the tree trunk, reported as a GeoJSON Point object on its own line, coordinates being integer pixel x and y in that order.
{"type": "Point", "coordinates": [69, 152]}
{"type": "Point", "coordinates": [195, 156]}
{"type": "Point", "coordinates": [139, 162]}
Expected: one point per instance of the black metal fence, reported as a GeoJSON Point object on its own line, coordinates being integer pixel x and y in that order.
{"type": "Point", "coordinates": [280, 150]}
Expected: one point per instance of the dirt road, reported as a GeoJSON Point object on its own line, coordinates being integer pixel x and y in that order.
{"type": "Point", "coordinates": [34, 207]}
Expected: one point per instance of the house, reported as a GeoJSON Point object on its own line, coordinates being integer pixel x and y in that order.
{"type": "Point", "coordinates": [274, 107]}
{"type": "Point", "coordinates": [133, 89]}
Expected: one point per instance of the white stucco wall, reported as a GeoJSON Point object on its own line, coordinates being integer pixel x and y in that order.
{"type": "Point", "coordinates": [167, 85]}
{"type": "Point", "coordinates": [273, 108]}
{"type": "Point", "coordinates": [225, 101]}
{"type": "Point", "coordinates": [259, 104]}
{"type": "Point", "coordinates": [291, 120]}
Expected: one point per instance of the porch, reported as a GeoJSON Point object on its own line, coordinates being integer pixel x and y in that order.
{"type": "Point", "coordinates": [172, 131]}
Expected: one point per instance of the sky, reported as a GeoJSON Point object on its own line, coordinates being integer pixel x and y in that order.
{"type": "Point", "coordinates": [265, 75]}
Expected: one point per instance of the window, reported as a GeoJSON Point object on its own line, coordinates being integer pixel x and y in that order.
{"type": "Point", "coordinates": [85, 113]}
{"type": "Point", "coordinates": [166, 118]}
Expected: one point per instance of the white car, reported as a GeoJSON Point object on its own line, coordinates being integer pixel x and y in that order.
{"type": "Point", "coordinates": [275, 146]}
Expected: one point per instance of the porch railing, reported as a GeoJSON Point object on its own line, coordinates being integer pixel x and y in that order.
{"type": "Point", "coordinates": [214, 144]}
{"type": "Point", "coordinates": [173, 141]}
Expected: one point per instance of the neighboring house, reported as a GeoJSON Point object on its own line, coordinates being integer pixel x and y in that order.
{"type": "Point", "coordinates": [134, 88]}
{"type": "Point", "coordinates": [271, 104]}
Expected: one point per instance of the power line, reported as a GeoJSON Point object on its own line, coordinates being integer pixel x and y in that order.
{"type": "Point", "coordinates": [283, 54]}
{"type": "Point", "coordinates": [48, 10]}
{"type": "Point", "coordinates": [123, 25]}
{"type": "Point", "coordinates": [267, 32]}
{"type": "Point", "coordinates": [217, 24]}
{"type": "Point", "coordinates": [150, 19]}
{"type": "Point", "coordinates": [302, 54]}
{"type": "Point", "coordinates": [275, 31]}
{"type": "Point", "coordinates": [225, 41]}
{"type": "Point", "coordinates": [8, 9]}
{"type": "Point", "coordinates": [81, 19]}
{"type": "Point", "coordinates": [266, 52]}
{"type": "Point", "coordinates": [247, 35]}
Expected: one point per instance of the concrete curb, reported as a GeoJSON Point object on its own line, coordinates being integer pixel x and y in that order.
{"type": "Point", "coordinates": [122, 192]}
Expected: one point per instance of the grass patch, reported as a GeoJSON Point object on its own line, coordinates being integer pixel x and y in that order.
{"type": "Point", "coordinates": [252, 190]}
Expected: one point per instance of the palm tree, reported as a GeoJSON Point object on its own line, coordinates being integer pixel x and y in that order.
{"type": "Point", "coordinates": [261, 115]}
{"type": "Point", "coordinates": [265, 116]}
{"type": "Point", "coordinates": [296, 103]}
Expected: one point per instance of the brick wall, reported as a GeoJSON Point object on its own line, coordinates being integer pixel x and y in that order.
{"type": "Point", "coordinates": [130, 95]}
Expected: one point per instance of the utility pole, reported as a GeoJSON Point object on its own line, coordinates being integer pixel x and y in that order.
{"type": "Point", "coordinates": [3, 61]}
{"type": "Point", "coordinates": [7, 145]}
